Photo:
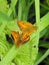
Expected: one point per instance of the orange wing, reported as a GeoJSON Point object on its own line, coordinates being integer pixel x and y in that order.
{"type": "Point", "coordinates": [15, 35]}
{"type": "Point", "coordinates": [27, 27]}
{"type": "Point", "coordinates": [25, 37]}
{"type": "Point", "coordinates": [24, 25]}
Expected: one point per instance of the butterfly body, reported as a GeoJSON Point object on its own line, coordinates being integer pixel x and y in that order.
{"type": "Point", "coordinates": [27, 29]}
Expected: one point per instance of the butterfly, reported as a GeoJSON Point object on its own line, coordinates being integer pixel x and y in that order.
{"type": "Point", "coordinates": [27, 29]}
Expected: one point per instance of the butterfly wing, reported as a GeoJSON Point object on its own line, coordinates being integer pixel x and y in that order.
{"type": "Point", "coordinates": [27, 27]}
{"type": "Point", "coordinates": [24, 25]}
{"type": "Point", "coordinates": [25, 37]}
{"type": "Point", "coordinates": [15, 35]}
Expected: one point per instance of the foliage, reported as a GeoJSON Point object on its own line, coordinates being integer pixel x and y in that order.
{"type": "Point", "coordinates": [28, 53]}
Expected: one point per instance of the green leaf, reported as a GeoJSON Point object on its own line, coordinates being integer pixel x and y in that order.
{"type": "Point", "coordinates": [3, 6]}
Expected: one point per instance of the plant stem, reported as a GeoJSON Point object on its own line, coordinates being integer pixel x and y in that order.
{"type": "Point", "coordinates": [20, 10]}
{"type": "Point", "coordinates": [42, 58]}
{"type": "Point", "coordinates": [44, 6]}
{"type": "Point", "coordinates": [37, 10]}
{"type": "Point", "coordinates": [9, 56]}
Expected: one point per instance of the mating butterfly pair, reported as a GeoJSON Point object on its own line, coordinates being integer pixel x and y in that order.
{"type": "Point", "coordinates": [27, 29]}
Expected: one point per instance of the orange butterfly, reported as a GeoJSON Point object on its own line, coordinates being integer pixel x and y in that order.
{"type": "Point", "coordinates": [27, 29]}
